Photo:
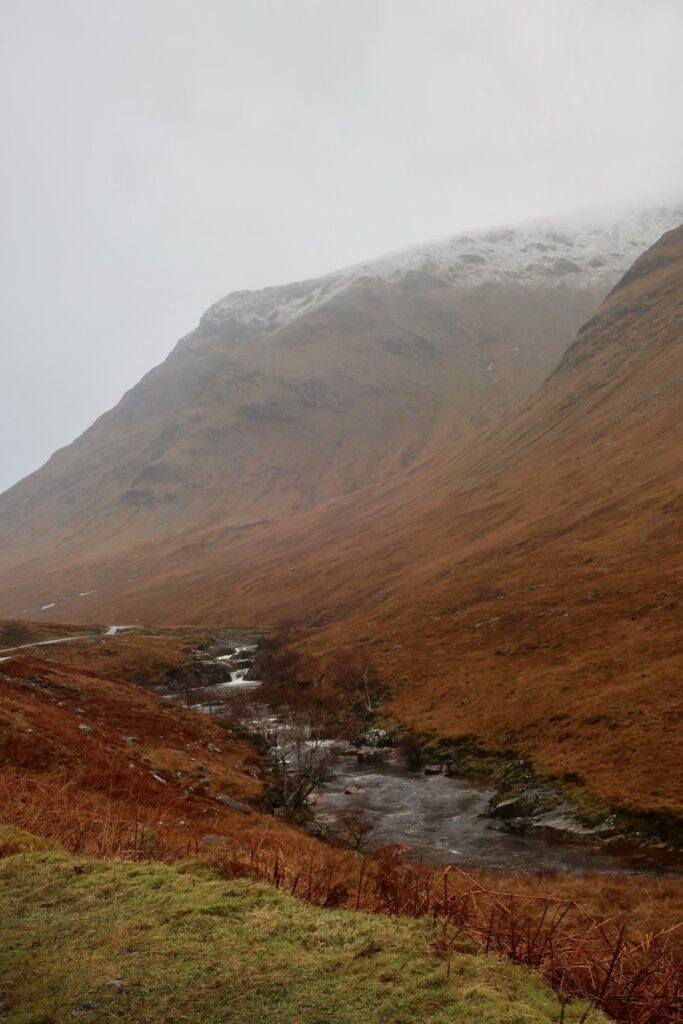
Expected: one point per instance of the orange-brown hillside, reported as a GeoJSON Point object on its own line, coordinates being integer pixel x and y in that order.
{"type": "Point", "coordinates": [524, 588]}
{"type": "Point", "coordinates": [521, 587]}
{"type": "Point", "coordinates": [532, 596]}
{"type": "Point", "coordinates": [89, 758]}
{"type": "Point", "coordinates": [527, 589]}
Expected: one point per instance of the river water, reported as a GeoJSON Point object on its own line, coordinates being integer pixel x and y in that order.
{"type": "Point", "coordinates": [443, 820]}
{"type": "Point", "coordinates": [439, 818]}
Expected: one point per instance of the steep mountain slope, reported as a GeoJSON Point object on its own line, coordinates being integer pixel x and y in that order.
{"type": "Point", "coordinates": [526, 591]}
{"type": "Point", "coordinates": [287, 398]}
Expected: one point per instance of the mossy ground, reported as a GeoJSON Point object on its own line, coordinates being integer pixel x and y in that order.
{"type": "Point", "coordinates": [189, 947]}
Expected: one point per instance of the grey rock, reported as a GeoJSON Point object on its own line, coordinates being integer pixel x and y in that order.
{"type": "Point", "coordinates": [213, 748]}
{"type": "Point", "coordinates": [432, 769]}
{"type": "Point", "coordinates": [372, 754]}
{"type": "Point", "coordinates": [565, 266]}
{"type": "Point", "coordinates": [607, 828]}
{"type": "Point", "coordinates": [236, 805]}
{"type": "Point", "coordinates": [562, 829]}
{"type": "Point", "coordinates": [131, 740]}
{"type": "Point", "coordinates": [86, 729]}
{"type": "Point", "coordinates": [211, 841]}
{"type": "Point", "coordinates": [158, 778]}
{"type": "Point", "coordinates": [116, 985]}
{"type": "Point", "coordinates": [516, 807]}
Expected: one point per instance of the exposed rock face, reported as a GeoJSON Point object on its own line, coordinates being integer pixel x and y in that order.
{"type": "Point", "coordinates": [516, 807]}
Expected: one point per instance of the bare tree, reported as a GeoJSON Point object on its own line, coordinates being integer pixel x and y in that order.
{"type": "Point", "coordinates": [354, 828]}
{"type": "Point", "coordinates": [354, 675]}
{"type": "Point", "coordinates": [300, 752]}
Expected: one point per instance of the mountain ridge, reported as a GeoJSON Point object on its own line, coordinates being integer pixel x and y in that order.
{"type": "Point", "coordinates": [233, 438]}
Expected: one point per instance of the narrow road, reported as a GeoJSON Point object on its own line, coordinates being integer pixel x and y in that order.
{"type": "Point", "coordinates": [11, 652]}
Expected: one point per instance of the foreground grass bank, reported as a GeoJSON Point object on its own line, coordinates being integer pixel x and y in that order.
{"type": "Point", "coordinates": [101, 941]}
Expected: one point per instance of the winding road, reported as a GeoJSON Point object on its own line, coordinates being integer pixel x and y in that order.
{"type": "Point", "coordinates": [11, 652]}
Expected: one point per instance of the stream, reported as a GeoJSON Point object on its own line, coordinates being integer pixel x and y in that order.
{"type": "Point", "coordinates": [440, 818]}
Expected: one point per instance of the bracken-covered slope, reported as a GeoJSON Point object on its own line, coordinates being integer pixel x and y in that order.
{"type": "Point", "coordinates": [291, 397]}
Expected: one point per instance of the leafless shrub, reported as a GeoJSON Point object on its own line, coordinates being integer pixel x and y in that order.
{"type": "Point", "coordinates": [300, 751]}
{"type": "Point", "coordinates": [354, 828]}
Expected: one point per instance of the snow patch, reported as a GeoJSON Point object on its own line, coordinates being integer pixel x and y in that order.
{"type": "Point", "coordinates": [581, 252]}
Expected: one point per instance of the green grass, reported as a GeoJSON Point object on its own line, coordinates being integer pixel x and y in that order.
{"type": "Point", "coordinates": [189, 947]}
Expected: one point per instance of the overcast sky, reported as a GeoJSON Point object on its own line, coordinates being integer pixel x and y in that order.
{"type": "Point", "coordinates": [157, 154]}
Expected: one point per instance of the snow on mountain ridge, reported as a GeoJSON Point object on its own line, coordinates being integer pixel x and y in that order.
{"type": "Point", "coordinates": [587, 252]}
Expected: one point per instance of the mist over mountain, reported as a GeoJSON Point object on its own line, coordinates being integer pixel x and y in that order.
{"type": "Point", "coordinates": [292, 396]}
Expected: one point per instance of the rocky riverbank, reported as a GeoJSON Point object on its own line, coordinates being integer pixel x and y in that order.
{"type": "Point", "coordinates": [444, 799]}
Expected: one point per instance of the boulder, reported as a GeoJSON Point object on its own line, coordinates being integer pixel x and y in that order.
{"type": "Point", "coordinates": [235, 805]}
{"type": "Point", "coordinates": [212, 841]}
{"type": "Point", "coordinates": [432, 769]}
{"type": "Point", "coordinates": [372, 755]}
{"type": "Point", "coordinates": [516, 807]}
{"type": "Point", "coordinates": [561, 829]}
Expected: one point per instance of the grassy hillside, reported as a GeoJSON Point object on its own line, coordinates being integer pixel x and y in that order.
{"type": "Point", "coordinates": [157, 944]}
